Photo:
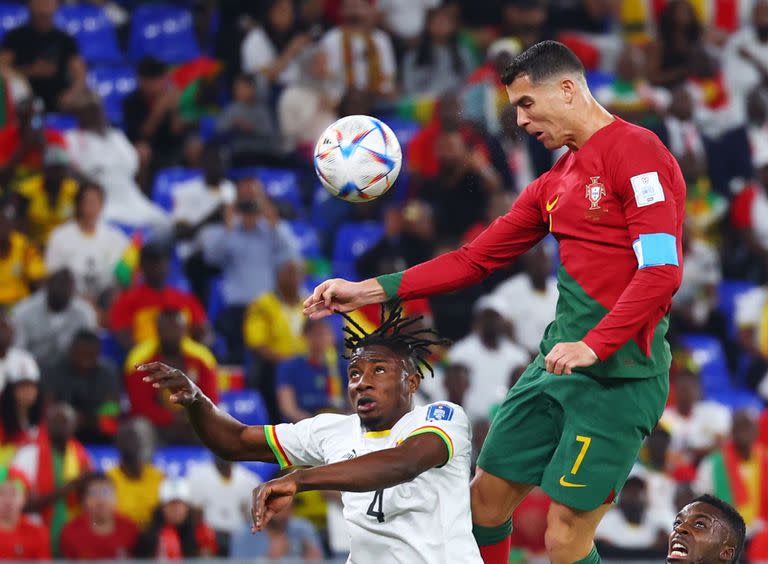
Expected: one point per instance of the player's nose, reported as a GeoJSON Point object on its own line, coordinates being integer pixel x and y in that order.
{"type": "Point", "coordinates": [522, 119]}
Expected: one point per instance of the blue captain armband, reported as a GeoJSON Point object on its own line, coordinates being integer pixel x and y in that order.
{"type": "Point", "coordinates": [656, 249]}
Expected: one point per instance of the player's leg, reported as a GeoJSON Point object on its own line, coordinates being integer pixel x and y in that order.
{"type": "Point", "coordinates": [570, 534]}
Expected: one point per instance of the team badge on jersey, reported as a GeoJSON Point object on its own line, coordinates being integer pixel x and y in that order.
{"type": "Point", "coordinates": [595, 192]}
{"type": "Point", "coordinates": [440, 412]}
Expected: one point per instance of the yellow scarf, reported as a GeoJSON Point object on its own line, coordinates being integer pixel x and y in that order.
{"type": "Point", "coordinates": [373, 61]}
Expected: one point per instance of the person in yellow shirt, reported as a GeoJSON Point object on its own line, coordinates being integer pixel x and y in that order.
{"type": "Point", "coordinates": [49, 198]}
{"type": "Point", "coordinates": [137, 482]}
{"type": "Point", "coordinates": [21, 266]}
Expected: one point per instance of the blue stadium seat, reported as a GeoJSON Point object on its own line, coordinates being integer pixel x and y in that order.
{"type": "Point", "coordinates": [163, 31]}
{"type": "Point", "coordinates": [246, 406]}
{"type": "Point", "coordinates": [95, 34]}
{"type": "Point", "coordinates": [12, 15]}
{"type": "Point", "coordinates": [404, 130]}
{"type": "Point", "coordinates": [728, 293]}
{"type": "Point", "coordinates": [707, 352]}
{"type": "Point", "coordinates": [352, 240]}
{"type": "Point", "coordinates": [113, 83]}
{"type": "Point", "coordinates": [166, 181]}
{"type": "Point", "coordinates": [110, 348]}
{"type": "Point", "coordinates": [215, 299]}
{"type": "Point", "coordinates": [740, 399]}
{"type": "Point", "coordinates": [309, 242]}
{"type": "Point", "coordinates": [60, 122]}
{"type": "Point", "coordinates": [282, 185]}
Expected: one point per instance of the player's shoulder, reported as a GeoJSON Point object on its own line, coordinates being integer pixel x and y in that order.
{"type": "Point", "coordinates": [640, 138]}
{"type": "Point", "coordinates": [438, 411]}
{"type": "Point", "coordinates": [332, 423]}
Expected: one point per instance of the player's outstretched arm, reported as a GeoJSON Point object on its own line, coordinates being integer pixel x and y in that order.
{"type": "Point", "coordinates": [370, 472]}
{"type": "Point", "coordinates": [218, 430]}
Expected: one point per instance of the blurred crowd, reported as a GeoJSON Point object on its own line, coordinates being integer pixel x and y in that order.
{"type": "Point", "coordinates": [158, 203]}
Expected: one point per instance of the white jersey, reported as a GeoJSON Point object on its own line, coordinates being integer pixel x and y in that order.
{"type": "Point", "coordinates": [426, 520]}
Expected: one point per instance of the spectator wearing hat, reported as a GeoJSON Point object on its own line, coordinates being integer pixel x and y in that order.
{"type": "Point", "coordinates": [10, 356]}
{"type": "Point", "coordinates": [133, 314]}
{"type": "Point", "coordinates": [46, 321]}
{"type": "Point", "coordinates": [21, 406]}
{"type": "Point", "coordinates": [176, 531]}
{"type": "Point", "coordinates": [21, 267]}
{"type": "Point", "coordinates": [99, 532]}
{"type": "Point", "coordinates": [20, 537]}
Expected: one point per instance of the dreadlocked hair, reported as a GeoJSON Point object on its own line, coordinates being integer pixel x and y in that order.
{"type": "Point", "coordinates": [393, 333]}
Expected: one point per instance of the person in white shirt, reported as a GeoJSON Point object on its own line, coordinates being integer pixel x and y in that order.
{"type": "Point", "coordinates": [11, 357]}
{"type": "Point", "coordinates": [89, 247]}
{"type": "Point", "coordinates": [405, 19]}
{"type": "Point", "coordinates": [530, 298]}
{"type": "Point", "coordinates": [403, 471]}
{"type": "Point", "coordinates": [223, 491]}
{"type": "Point", "coordinates": [696, 426]}
{"type": "Point", "coordinates": [491, 357]}
{"type": "Point", "coordinates": [746, 52]}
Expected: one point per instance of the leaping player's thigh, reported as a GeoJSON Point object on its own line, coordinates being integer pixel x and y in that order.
{"type": "Point", "coordinates": [524, 433]}
{"type": "Point", "coordinates": [604, 424]}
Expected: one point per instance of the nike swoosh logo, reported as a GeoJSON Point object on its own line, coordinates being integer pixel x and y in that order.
{"type": "Point", "coordinates": [567, 484]}
{"type": "Point", "coordinates": [551, 205]}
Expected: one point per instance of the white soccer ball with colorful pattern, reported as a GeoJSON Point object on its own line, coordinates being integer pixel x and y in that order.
{"type": "Point", "coordinates": [358, 158]}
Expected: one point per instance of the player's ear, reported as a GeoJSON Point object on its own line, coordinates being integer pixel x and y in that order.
{"type": "Point", "coordinates": [727, 553]}
{"type": "Point", "coordinates": [568, 88]}
{"type": "Point", "coordinates": [413, 381]}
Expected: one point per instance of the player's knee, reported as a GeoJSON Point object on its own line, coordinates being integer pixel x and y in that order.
{"type": "Point", "coordinates": [562, 539]}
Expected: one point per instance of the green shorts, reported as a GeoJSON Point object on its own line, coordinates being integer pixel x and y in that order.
{"type": "Point", "coordinates": [575, 436]}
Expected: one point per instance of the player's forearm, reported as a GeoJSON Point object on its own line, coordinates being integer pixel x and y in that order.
{"type": "Point", "coordinates": [648, 294]}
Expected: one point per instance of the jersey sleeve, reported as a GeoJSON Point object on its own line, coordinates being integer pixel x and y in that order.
{"type": "Point", "coordinates": [299, 444]}
{"type": "Point", "coordinates": [505, 239]}
{"type": "Point", "coordinates": [450, 423]}
{"type": "Point", "coordinates": [650, 185]}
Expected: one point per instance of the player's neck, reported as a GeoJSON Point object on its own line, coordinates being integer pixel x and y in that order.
{"type": "Point", "coordinates": [387, 424]}
{"type": "Point", "coordinates": [594, 119]}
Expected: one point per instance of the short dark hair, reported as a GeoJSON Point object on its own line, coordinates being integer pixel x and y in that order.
{"type": "Point", "coordinates": [150, 67]}
{"type": "Point", "coordinates": [95, 478]}
{"type": "Point", "coordinates": [87, 336]}
{"type": "Point", "coordinates": [84, 188]}
{"type": "Point", "coordinates": [733, 518]}
{"type": "Point", "coordinates": [542, 61]}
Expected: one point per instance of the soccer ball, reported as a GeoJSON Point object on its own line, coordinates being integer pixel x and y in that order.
{"type": "Point", "coordinates": [358, 158]}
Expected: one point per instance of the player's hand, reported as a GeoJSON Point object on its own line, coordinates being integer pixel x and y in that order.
{"type": "Point", "coordinates": [163, 377]}
{"type": "Point", "coordinates": [271, 498]}
{"type": "Point", "coordinates": [564, 357]}
{"type": "Point", "coordinates": [337, 295]}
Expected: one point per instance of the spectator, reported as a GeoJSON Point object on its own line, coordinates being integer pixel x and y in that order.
{"type": "Point", "coordinates": [223, 490]}
{"type": "Point", "coordinates": [406, 20]}
{"type": "Point", "coordinates": [197, 203]}
{"type": "Point", "coordinates": [696, 426]}
{"type": "Point", "coordinates": [456, 383]}
{"type": "Point", "coordinates": [736, 472]}
{"type": "Point", "coordinates": [89, 383]}
{"type": "Point", "coordinates": [175, 532]}
{"type": "Point", "coordinates": [276, 48]}
{"type": "Point", "coordinates": [249, 249]}
{"type": "Point", "coordinates": [20, 537]}
{"type": "Point", "coordinates": [21, 267]}
{"type": "Point", "coordinates": [523, 21]}
{"type": "Point", "coordinates": [103, 154]}
{"type": "Point", "coordinates": [47, 56]}
{"type": "Point", "coordinates": [631, 529]}
{"type": "Point", "coordinates": [48, 200]}
{"type": "Point", "coordinates": [672, 52]}
{"type": "Point", "coordinates": [133, 313]}
{"type": "Point", "coordinates": [359, 56]}
{"type": "Point", "coordinates": [491, 356]}
{"type": "Point", "coordinates": [285, 536]}
{"type": "Point", "coordinates": [10, 356]}
{"type": "Point", "coordinates": [136, 480]}
{"type": "Point", "coordinates": [248, 124]}
{"type": "Point", "coordinates": [530, 298]}
{"type": "Point", "coordinates": [518, 151]}
{"type": "Point", "coordinates": [99, 532]}
{"type": "Point", "coordinates": [173, 347]}
{"type": "Point", "coordinates": [89, 247]}
{"type": "Point", "coordinates": [460, 192]}
{"type": "Point", "coordinates": [150, 115]}
{"type": "Point", "coordinates": [23, 142]}
{"type": "Point", "coordinates": [21, 407]}
{"type": "Point", "coordinates": [315, 382]}
{"type": "Point", "coordinates": [46, 321]}
{"type": "Point", "coordinates": [746, 52]}
{"type": "Point", "coordinates": [679, 131]}
{"type": "Point", "coordinates": [438, 63]}
{"type": "Point", "coordinates": [659, 469]}
{"type": "Point", "coordinates": [54, 483]}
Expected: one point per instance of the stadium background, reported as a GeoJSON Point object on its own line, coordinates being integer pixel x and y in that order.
{"type": "Point", "coordinates": [232, 95]}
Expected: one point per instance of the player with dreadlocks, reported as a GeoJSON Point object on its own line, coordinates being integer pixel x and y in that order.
{"type": "Point", "coordinates": [403, 470]}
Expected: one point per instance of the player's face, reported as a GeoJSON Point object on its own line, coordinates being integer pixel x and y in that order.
{"type": "Point", "coordinates": [380, 386]}
{"type": "Point", "coordinates": [700, 534]}
{"type": "Point", "coordinates": [543, 109]}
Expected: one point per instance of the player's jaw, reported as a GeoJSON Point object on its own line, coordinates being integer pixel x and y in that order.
{"type": "Point", "coordinates": [678, 549]}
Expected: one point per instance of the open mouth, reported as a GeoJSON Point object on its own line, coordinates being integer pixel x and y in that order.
{"type": "Point", "coordinates": [538, 135]}
{"type": "Point", "coordinates": [677, 550]}
{"type": "Point", "coordinates": [365, 404]}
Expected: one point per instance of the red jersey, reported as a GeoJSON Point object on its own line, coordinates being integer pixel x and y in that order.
{"type": "Point", "coordinates": [10, 139]}
{"type": "Point", "coordinates": [27, 541]}
{"type": "Point", "coordinates": [137, 309]}
{"type": "Point", "coordinates": [80, 542]}
{"type": "Point", "coordinates": [616, 206]}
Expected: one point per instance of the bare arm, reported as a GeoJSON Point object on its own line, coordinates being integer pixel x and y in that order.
{"type": "Point", "coordinates": [286, 402]}
{"type": "Point", "coordinates": [218, 430]}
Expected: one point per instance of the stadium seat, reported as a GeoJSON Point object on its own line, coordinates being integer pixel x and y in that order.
{"type": "Point", "coordinates": [707, 352]}
{"type": "Point", "coordinates": [113, 83]}
{"type": "Point", "coordinates": [352, 240]}
{"type": "Point", "coordinates": [740, 399]}
{"type": "Point", "coordinates": [215, 299]}
{"type": "Point", "coordinates": [728, 293]}
{"type": "Point", "coordinates": [246, 406]}
{"type": "Point", "coordinates": [404, 130]}
{"type": "Point", "coordinates": [166, 181]}
{"type": "Point", "coordinates": [110, 348]}
{"type": "Point", "coordinates": [163, 31]}
{"type": "Point", "coordinates": [94, 33]}
{"type": "Point", "coordinates": [60, 122]}
{"type": "Point", "coordinates": [309, 242]}
{"type": "Point", "coordinates": [12, 15]}
{"type": "Point", "coordinates": [282, 185]}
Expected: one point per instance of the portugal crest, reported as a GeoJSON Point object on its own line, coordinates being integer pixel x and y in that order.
{"type": "Point", "coordinates": [595, 192]}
